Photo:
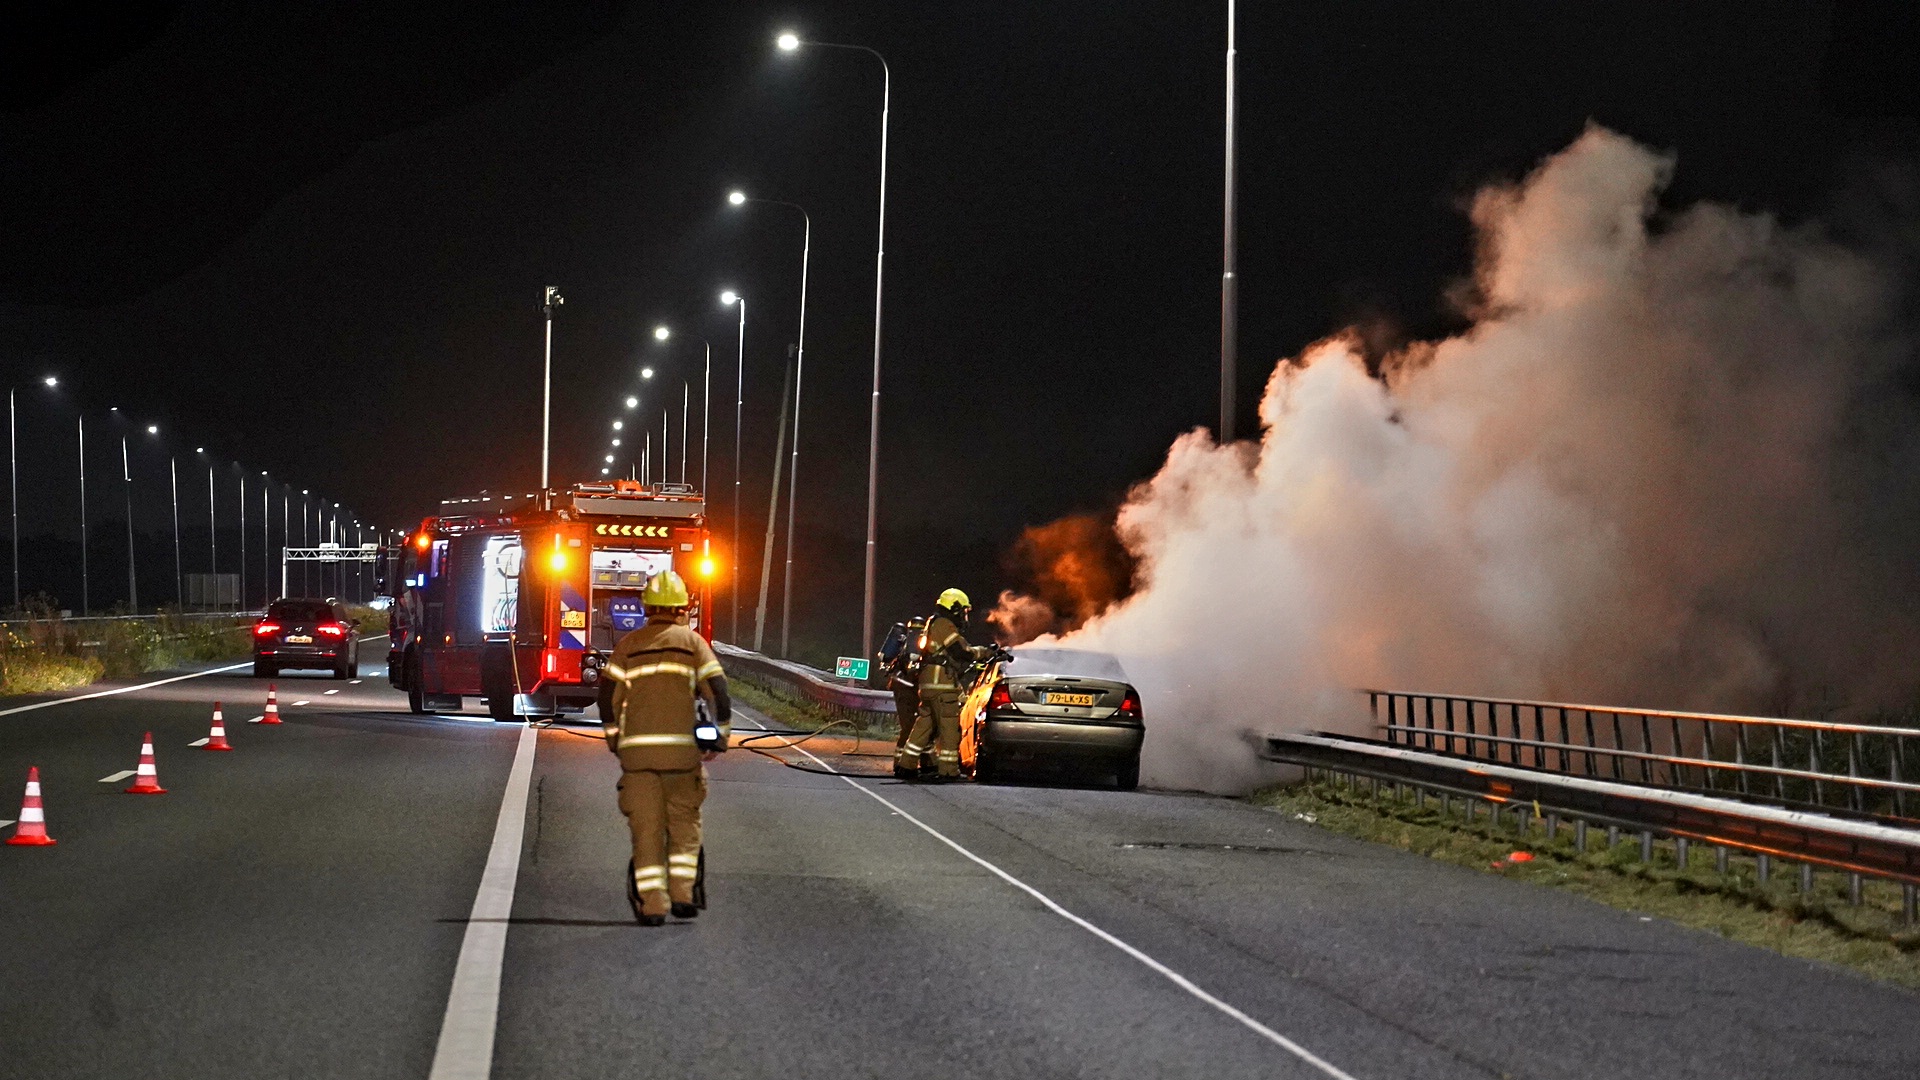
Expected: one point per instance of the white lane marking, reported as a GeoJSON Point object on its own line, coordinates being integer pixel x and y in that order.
{"type": "Point", "coordinates": [1156, 966]}
{"type": "Point", "coordinates": [329, 691]}
{"type": "Point", "coordinates": [4, 822]}
{"type": "Point", "coordinates": [201, 741]}
{"type": "Point", "coordinates": [121, 689]}
{"type": "Point", "coordinates": [257, 719]}
{"type": "Point", "coordinates": [465, 1051]}
{"type": "Point", "coordinates": [350, 682]}
{"type": "Point", "coordinates": [117, 777]}
{"type": "Point", "coordinates": [303, 703]}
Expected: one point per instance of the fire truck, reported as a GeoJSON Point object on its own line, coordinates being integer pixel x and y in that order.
{"type": "Point", "coordinates": [521, 605]}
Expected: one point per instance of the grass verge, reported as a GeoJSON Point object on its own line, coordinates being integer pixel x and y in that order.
{"type": "Point", "coordinates": [49, 654]}
{"type": "Point", "coordinates": [1822, 925]}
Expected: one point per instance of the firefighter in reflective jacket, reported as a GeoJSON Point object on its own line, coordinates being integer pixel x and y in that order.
{"type": "Point", "coordinates": [945, 658]}
{"type": "Point", "coordinates": [647, 694]}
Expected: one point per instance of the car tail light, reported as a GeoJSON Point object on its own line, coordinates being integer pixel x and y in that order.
{"type": "Point", "coordinates": [1000, 698]}
{"type": "Point", "coordinates": [332, 629]}
{"type": "Point", "coordinates": [265, 628]}
{"type": "Point", "coordinates": [1130, 705]}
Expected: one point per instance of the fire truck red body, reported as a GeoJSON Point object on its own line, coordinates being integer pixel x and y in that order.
{"type": "Point", "coordinates": [521, 606]}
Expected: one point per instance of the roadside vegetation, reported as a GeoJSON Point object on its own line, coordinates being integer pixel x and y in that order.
{"type": "Point", "coordinates": [41, 652]}
{"type": "Point", "coordinates": [1822, 925]}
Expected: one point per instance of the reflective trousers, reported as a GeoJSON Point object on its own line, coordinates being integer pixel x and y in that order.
{"type": "Point", "coordinates": [663, 811]}
{"type": "Point", "coordinates": [906, 709]}
{"type": "Point", "coordinates": [936, 724]}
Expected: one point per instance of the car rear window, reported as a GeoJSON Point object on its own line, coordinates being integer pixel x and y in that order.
{"type": "Point", "coordinates": [1082, 663]}
{"type": "Point", "coordinates": [301, 611]}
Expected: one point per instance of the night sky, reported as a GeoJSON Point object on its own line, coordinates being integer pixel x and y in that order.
{"type": "Point", "coordinates": [313, 236]}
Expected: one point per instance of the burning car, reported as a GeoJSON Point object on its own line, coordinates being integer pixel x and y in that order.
{"type": "Point", "coordinates": [1054, 710]}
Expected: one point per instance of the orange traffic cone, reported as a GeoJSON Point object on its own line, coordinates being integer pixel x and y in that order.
{"type": "Point", "coordinates": [217, 739]}
{"type": "Point", "coordinates": [273, 707]}
{"type": "Point", "coordinates": [32, 831]}
{"type": "Point", "coordinates": [146, 780]}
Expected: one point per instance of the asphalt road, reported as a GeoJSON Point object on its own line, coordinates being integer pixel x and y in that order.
{"type": "Point", "coordinates": [296, 909]}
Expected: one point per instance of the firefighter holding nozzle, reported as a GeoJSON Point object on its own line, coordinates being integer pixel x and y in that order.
{"type": "Point", "coordinates": [944, 660]}
{"type": "Point", "coordinates": [652, 693]}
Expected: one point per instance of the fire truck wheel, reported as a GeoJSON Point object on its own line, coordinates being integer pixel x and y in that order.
{"type": "Point", "coordinates": [500, 707]}
{"type": "Point", "coordinates": [416, 701]}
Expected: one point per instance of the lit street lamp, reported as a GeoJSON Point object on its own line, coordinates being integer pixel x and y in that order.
{"type": "Point", "coordinates": [739, 398]}
{"type": "Point", "coordinates": [789, 42]}
{"type": "Point", "coordinates": [126, 479]}
{"type": "Point", "coordinates": [741, 198]}
{"type": "Point", "coordinates": [553, 300]}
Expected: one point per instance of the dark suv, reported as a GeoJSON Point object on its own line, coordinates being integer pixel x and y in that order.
{"type": "Point", "coordinates": [306, 634]}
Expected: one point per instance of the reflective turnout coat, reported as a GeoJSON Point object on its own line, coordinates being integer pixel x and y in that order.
{"type": "Point", "coordinates": [655, 673]}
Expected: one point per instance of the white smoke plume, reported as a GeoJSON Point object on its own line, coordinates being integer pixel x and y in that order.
{"type": "Point", "coordinates": [1669, 465]}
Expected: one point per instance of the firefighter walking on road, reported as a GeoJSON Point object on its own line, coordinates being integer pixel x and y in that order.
{"type": "Point", "coordinates": [648, 691]}
{"type": "Point", "coordinates": [943, 661]}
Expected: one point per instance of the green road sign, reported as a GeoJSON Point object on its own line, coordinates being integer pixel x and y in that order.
{"type": "Point", "coordinates": [850, 667]}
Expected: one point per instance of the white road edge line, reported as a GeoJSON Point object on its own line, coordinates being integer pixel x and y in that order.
{"type": "Point", "coordinates": [121, 689]}
{"type": "Point", "coordinates": [1156, 966]}
{"type": "Point", "coordinates": [465, 1051]}
{"type": "Point", "coordinates": [116, 777]}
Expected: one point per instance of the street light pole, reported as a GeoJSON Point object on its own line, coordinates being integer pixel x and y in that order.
{"type": "Point", "coordinates": [1229, 282]}
{"type": "Point", "coordinates": [553, 300]}
{"type": "Point", "coordinates": [243, 537]}
{"type": "Point", "coordinates": [126, 479]}
{"type": "Point", "coordinates": [86, 604]}
{"type": "Point", "coordinates": [739, 400]}
{"type": "Point", "coordinates": [790, 42]}
{"type": "Point", "coordinates": [13, 474]}
{"type": "Point", "coordinates": [686, 407]}
{"type": "Point", "coordinates": [179, 571]}
{"type": "Point", "coordinates": [266, 539]}
{"type": "Point", "coordinates": [799, 381]}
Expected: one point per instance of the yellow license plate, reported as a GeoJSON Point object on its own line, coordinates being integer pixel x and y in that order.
{"type": "Point", "coordinates": [1070, 699]}
{"type": "Point", "coordinates": [299, 639]}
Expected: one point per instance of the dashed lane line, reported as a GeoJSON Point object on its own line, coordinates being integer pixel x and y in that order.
{"type": "Point", "coordinates": [121, 689]}
{"type": "Point", "coordinates": [465, 1050]}
{"type": "Point", "coordinates": [201, 741]}
{"type": "Point", "coordinates": [257, 719]}
{"type": "Point", "coordinates": [1309, 1057]}
{"type": "Point", "coordinates": [352, 682]}
{"type": "Point", "coordinates": [303, 703]}
{"type": "Point", "coordinates": [116, 777]}
{"type": "Point", "coordinates": [329, 691]}
{"type": "Point", "coordinates": [4, 822]}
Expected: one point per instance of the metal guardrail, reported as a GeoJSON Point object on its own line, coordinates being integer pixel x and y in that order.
{"type": "Point", "coordinates": [1861, 770]}
{"type": "Point", "coordinates": [807, 683]}
{"type": "Point", "coordinates": [1856, 847]}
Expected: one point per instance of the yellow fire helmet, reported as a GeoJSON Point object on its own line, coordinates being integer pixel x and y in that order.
{"type": "Point", "coordinates": [955, 600]}
{"type": "Point", "coordinates": [665, 589]}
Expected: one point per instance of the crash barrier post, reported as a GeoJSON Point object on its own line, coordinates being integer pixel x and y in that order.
{"type": "Point", "coordinates": [1854, 845]}
{"type": "Point", "coordinates": [809, 685]}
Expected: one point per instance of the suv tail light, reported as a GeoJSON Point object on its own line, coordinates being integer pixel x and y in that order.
{"type": "Point", "coordinates": [265, 628]}
{"type": "Point", "coordinates": [1001, 696]}
{"type": "Point", "coordinates": [1130, 705]}
{"type": "Point", "coordinates": [332, 629]}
